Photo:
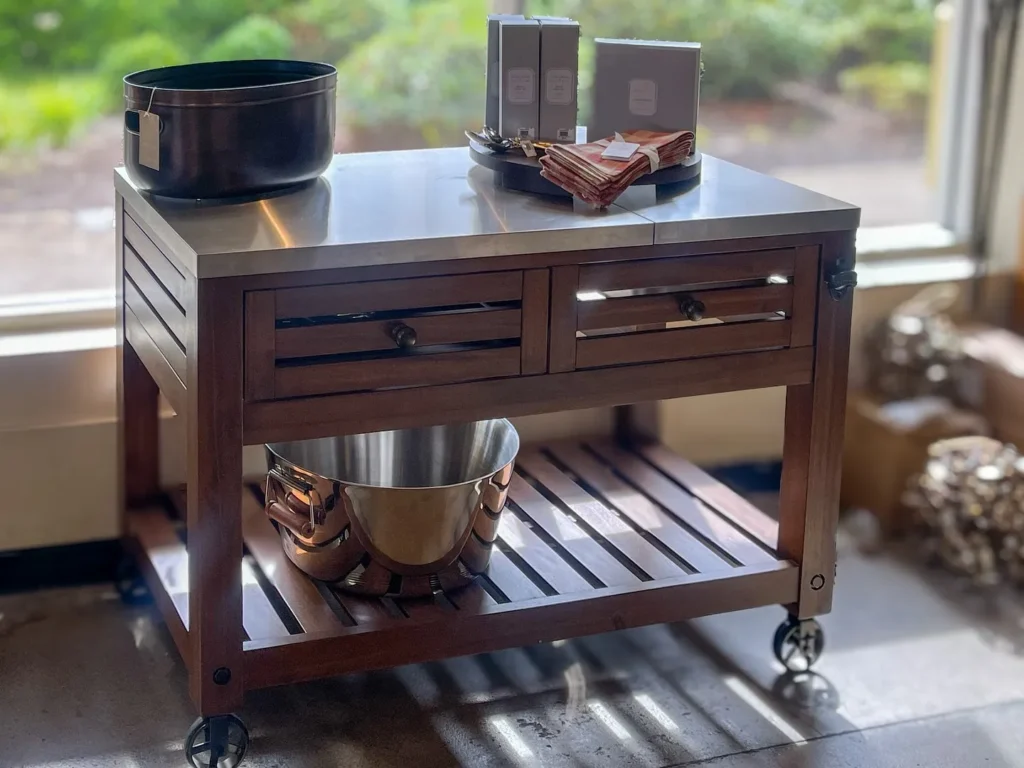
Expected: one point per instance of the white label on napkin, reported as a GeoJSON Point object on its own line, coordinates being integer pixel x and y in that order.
{"type": "Point", "coordinates": [149, 140]}
{"type": "Point", "coordinates": [520, 86]}
{"type": "Point", "coordinates": [558, 86]}
{"type": "Point", "coordinates": [643, 97]}
{"type": "Point", "coordinates": [620, 150]}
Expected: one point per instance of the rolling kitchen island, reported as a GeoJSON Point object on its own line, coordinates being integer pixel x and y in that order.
{"type": "Point", "coordinates": [291, 317]}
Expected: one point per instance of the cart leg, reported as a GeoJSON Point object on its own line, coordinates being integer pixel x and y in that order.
{"type": "Point", "coordinates": [813, 451]}
{"type": "Point", "coordinates": [138, 432]}
{"type": "Point", "coordinates": [214, 428]}
{"type": "Point", "coordinates": [138, 451]}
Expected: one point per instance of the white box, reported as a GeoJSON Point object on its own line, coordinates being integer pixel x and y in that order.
{"type": "Point", "coordinates": [648, 85]}
{"type": "Point", "coordinates": [519, 59]}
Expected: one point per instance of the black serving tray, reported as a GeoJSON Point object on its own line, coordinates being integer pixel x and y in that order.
{"type": "Point", "coordinates": [515, 171]}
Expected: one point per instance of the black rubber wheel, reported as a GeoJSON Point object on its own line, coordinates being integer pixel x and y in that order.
{"type": "Point", "coordinates": [216, 742]}
{"type": "Point", "coordinates": [798, 644]}
{"type": "Point", "coordinates": [130, 585]}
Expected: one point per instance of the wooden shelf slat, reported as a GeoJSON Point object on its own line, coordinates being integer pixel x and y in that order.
{"type": "Point", "coordinates": [700, 518]}
{"type": "Point", "coordinates": [364, 611]}
{"type": "Point", "coordinates": [599, 517]}
{"type": "Point", "coordinates": [162, 558]}
{"type": "Point", "coordinates": [713, 493]}
{"type": "Point", "coordinates": [560, 527]}
{"type": "Point", "coordinates": [518, 537]}
{"type": "Point", "coordinates": [512, 582]}
{"type": "Point", "coordinates": [472, 599]}
{"type": "Point", "coordinates": [299, 593]}
{"type": "Point", "coordinates": [639, 508]}
{"type": "Point", "coordinates": [259, 619]}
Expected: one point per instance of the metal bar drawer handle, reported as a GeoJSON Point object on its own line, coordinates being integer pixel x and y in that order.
{"type": "Point", "coordinates": [692, 308]}
{"type": "Point", "coordinates": [403, 335]}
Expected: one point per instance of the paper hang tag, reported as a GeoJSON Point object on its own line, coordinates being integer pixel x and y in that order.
{"type": "Point", "coordinates": [620, 149]}
{"type": "Point", "coordinates": [149, 140]}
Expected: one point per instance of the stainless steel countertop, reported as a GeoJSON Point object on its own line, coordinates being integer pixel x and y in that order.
{"type": "Point", "coordinates": [434, 205]}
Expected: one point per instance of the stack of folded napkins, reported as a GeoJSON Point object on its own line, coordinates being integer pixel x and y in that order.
{"type": "Point", "coordinates": [581, 170]}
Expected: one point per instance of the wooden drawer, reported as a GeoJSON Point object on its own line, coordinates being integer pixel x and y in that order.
{"type": "Point", "coordinates": [618, 313]}
{"type": "Point", "coordinates": [356, 337]}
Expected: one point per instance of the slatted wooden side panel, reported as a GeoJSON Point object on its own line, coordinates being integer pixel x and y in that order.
{"type": "Point", "coordinates": [156, 295]}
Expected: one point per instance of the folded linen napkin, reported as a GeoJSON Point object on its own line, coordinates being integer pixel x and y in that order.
{"type": "Point", "coordinates": [580, 169]}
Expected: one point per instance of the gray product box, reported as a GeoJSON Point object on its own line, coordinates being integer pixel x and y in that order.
{"type": "Point", "coordinates": [559, 78]}
{"type": "Point", "coordinates": [492, 109]}
{"type": "Point", "coordinates": [640, 84]}
{"type": "Point", "coordinates": [519, 59]}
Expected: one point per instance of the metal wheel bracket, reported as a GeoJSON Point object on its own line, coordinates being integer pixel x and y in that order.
{"type": "Point", "coordinates": [840, 283]}
{"type": "Point", "coordinates": [798, 644]}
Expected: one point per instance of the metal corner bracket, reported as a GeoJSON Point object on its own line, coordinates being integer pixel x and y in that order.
{"type": "Point", "coordinates": [840, 283]}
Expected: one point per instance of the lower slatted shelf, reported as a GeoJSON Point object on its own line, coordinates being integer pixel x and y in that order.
{"type": "Point", "coordinates": [596, 536]}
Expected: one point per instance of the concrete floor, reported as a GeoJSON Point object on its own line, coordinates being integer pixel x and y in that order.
{"type": "Point", "coordinates": [917, 672]}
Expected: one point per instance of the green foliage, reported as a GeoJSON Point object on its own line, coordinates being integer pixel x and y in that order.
{"type": "Point", "coordinates": [882, 32]}
{"type": "Point", "coordinates": [146, 51]}
{"type": "Point", "coordinates": [201, 21]}
{"type": "Point", "coordinates": [420, 63]}
{"type": "Point", "coordinates": [47, 111]}
{"type": "Point", "coordinates": [898, 89]}
{"type": "Point", "coordinates": [426, 69]}
{"type": "Point", "coordinates": [748, 47]}
{"type": "Point", "coordinates": [255, 37]}
{"type": "Point", "coordinates": [326, 30]}
{"type": "Point", "coordinates": [40, 35]}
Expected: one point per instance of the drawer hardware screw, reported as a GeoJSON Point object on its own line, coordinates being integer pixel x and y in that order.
{"type": "Point", "coordinates": [817, 582]}
{"type": "Point", "coordinates": [403, 335]}
{"type": "Point", "coordinates": [222, 676]}
{"type": "Point", "coordinates": [692, 308]}
{"type": "Point", "coordinates": [839, 283]}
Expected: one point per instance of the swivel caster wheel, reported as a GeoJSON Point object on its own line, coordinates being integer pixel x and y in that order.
{"type": "Point", "coordinates": [798, 644]}
{"type": "Point", "coordinates": [130, 585]}
{"type": "Point", "coordinates": [216, 742]}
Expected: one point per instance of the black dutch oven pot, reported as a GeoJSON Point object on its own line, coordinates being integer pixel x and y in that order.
{"type": "Point", "coordinates": [232, 128]}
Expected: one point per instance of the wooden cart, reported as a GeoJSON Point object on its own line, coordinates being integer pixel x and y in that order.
{"type": "Point", "coordinates": [276, 320]}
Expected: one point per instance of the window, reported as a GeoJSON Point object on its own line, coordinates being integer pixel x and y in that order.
{"type": "Point", "coordinates": [847, 97]}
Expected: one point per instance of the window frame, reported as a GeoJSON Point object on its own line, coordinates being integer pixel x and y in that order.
{"type": "Point", "coordinates": [946, 234]}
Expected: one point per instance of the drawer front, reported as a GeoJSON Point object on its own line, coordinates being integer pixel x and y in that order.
{"type": "Point", "coordinates": [619, 313]}
{"type": "Point", "coordinates": [356, 337]}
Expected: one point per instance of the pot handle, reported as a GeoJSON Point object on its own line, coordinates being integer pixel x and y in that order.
{"type": "Point", "coordinates": [293, 521]}
{"type": "Point", "coordinates": [131, 121]}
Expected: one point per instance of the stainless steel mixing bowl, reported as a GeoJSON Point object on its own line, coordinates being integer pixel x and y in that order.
{"type": "Point", "coordinates": [403, 513]}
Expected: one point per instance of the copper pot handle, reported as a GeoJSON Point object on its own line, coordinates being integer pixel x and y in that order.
{"type": "Point", "coordinates": [293, 521]}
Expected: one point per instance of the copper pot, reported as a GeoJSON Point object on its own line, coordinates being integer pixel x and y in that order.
{"type": "Point", "coordinates": [401, 513]}
{"type": "Point", "coordinates": [231, 128]}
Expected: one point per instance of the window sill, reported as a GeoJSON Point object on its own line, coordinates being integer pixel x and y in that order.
{"type": "Point", "coordinates": [907, 241]}
{"type": "Point", "coordinates": [911, 246]}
